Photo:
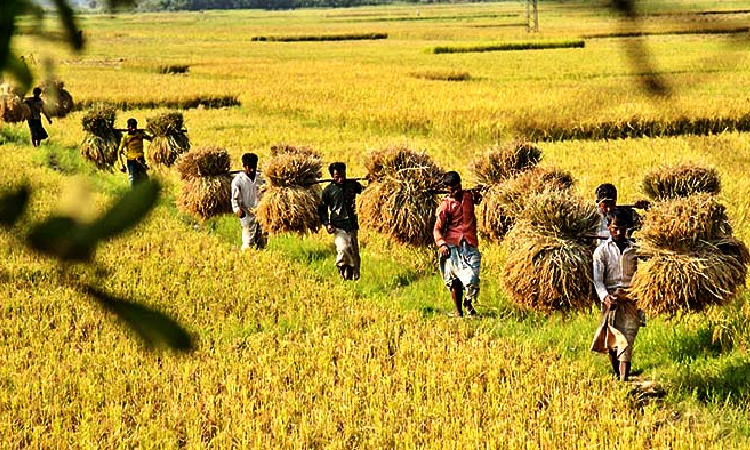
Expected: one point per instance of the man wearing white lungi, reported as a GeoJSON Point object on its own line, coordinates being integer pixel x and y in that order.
{"type": "Point", "coordinates": [455, 235]}
{"type": "Point", "coordinates": [246, 187]}
{"type": "Point", "coordinates": [338, 199]}
{"type": "Point", "coordinates": [614, 266]}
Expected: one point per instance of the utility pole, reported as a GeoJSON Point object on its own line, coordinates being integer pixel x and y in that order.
{"type": "Point", "coordinates": [532, 16]}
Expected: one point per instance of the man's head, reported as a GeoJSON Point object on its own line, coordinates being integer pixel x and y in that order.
{"type": "Point", "coordinates": [250, 162]}
{"type": "Point", "coordinates": [37, 91]}
{"type": "Point", "coordinates": [452, 182]}
{"type": "Point", "coordinates": [606, 197]}
{"type": "Point", "coordinates": [619, 221]}
{"type": "Point", "coordinates": [338, 172]}
{"type": "Point", "coordinates": [132, 124]}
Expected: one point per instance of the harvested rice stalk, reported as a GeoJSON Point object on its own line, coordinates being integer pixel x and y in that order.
{"type": "Point", "coordinates": [549, 263]}
{"type": "Point", "coordinates": [12, 107]}
{"type": "Point", "coordinates": [169, 139]}
{"type": "Point", "coordinates": [57, 100]}
{"type": "Point", "coordinates": [682, 224]}
{"type": "Point", "coordinates": [492, 220]}
{"type": "Point", "coordinates": [680, 181]}
{"type": "Point", "coordinates": [710, 274]}
{"type": "Point", "coordinates": [398, 202]}
{"type": "Point", "coordinates": [203, 162]}
{"type": "Point", "coordinates": [547, 273]}
{"type": "Point", "coordinates": [516, 191]}
{"type": "Point", "coordinates": [289, 208]}
{"type": "Point", "coordinates": [500, 163]}
{"type": "Point", "coordinates": [206, 196]}
{"type": "Point", "coordinates": [102, 140]}
{"type": "Point", "coordinates": [290, 202]}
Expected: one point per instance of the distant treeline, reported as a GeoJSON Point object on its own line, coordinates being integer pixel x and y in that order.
{"type": "Point", "coordinates": [194, 5]}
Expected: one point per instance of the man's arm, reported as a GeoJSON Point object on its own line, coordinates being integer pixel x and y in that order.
{"type": "Point", "coordinates": [440, 221]}
{"type": "Point", "coordinates": [122, 149]}
{"type": "Point", "coordinates": [323, 208]}
{"type": "Point", "coordinates": [236, 199]}
{"type": "Point", "coordinates": [600, 268]}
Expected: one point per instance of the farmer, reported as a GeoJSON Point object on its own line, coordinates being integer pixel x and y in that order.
{"type": "Point", "coordinates": [606, 200]}
{"type": "Point", "coordinates": [36, 104]}
{"type": "Point", "coordinates": [614, 265]}
{"type": "Point", "coordinates": [338, 216]}
{"type": "Point", "coordinates": [455, 235]}
{"type": "Point", "coordinates": [246, 191]}
{"type": "Point", "coordinates": [131, 146]}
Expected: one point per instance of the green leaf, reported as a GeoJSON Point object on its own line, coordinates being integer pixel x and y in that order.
{"type": "Point", "coordinates": [62, 237]}
{"type": "Point", "coordinates": [75, 37]}
{"type": "Point", "coordinates": [13, 204]}
{"type": "Point", "coordinates": [9, 9]}
{"type": "Point", "coordinates": [154, 327]}
{"type": "Point", "coordinates": [130, 209]}
{"type": "Point", "coordinates": [20, 71]}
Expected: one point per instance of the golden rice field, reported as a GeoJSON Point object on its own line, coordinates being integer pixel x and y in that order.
{"type": "Point", "coordinates": [287, 355]}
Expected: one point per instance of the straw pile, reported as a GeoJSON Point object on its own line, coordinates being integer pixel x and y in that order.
{"type": "Point", "coordinates": [169, 138]}
{"type": "Point", "coordinates": [498, 164]}
{"type": "Point", "coordinates": [549, 266]}
{"type": "Point", "coordinates": [680, 181]}
{"type": "Point", "coordinates": [397, 202]}
{"type": "Point", "coordinates": [57, 100]}
{"type": "Point", "coordinates": [12, 107]}
{"type": "Point", "coordinates": [207, 189]}
{"type": "Point", "coordinates": [290, 201]}
{"type": "Point", "coordinates": [503, 202]}
{"type": "Point", "coordinates": [691, 259]}
{"type": "Point", "coordinates": [101, 141]}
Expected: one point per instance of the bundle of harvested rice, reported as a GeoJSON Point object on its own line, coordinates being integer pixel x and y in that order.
{"type": "Point", "coordinates": [689, 258]}
{"type": "Point", "coordinates": [398, 201]}
{"type": "Point", "coordinates": [549, 264]}
{"type": "Point", "coordinates": [12, 107]}
{"type": "Point", "coordinates": [290, 201]}
{"type": "Point", "coordinates": [502, 162]}
{"type": "Point", "coordinates": [57, 100]}
{"type": "Point", "coordinates": [208, 185]}
{"type": "Point", "coordinates": [203, 162]}
{"type": "Point", "coordinates": [102, 140]}
{"type": "Point", "coordinates": [680, 181]}
{"type": "Point", "coordinates": [169, 138]}
{"type": "Point", "coordinates": [682, 224]}
{"type": "Point", "coordinates": [503, 202]}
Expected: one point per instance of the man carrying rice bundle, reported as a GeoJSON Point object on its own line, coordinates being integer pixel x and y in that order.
{"type": "Point", "coordinates": [338, 216]}
{"type": "Point", "coordinates": [455, 234]}
{"type": "Point", "coordinates": [131, 146]}
{"type": "Point", "coordinates": [606, 201]}
{"type": "Point", "coordinates": [36, 104]}
{"type": "Point", "coordinates": [614, 266]}
{"type": "Point", "coordinates": [245, 196]}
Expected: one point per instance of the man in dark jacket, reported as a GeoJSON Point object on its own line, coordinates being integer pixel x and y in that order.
{"type": "Point", "coordinates": [338, 216]}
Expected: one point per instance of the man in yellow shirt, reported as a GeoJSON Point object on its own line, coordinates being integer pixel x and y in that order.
{"type": "Point", "coordinates": [131, 146]}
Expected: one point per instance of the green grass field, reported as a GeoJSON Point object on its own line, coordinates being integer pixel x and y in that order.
{"type": "Point", "coordinates": [287, 355]}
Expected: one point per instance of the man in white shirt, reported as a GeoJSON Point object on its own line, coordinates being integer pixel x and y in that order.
{"type": "Point", "coordinates": [614, 266]}
{"type": "Point", "coordinates": [246, 191]}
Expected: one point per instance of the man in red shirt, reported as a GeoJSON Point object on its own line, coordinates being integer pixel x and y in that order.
{"type": "Point", "coordinates": [455, 235]}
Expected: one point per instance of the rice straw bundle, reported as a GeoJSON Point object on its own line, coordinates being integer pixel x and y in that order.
{"type": "Point", "coordinates": [205, 161]}
{"type": "Point", "coordinates": [500, 163]}
{"type": "Point", "coordinates": [290, 202]}
{"type": "Point", "coordinates": [57, 100]}
{"type": "Point", "coordinates": [12, 107]}
{"type": "Point", "coordinates": [690, 259]}
{"type": "Point", "coordinates": [680, 181]}
{"type": "Point", "coordinates": [503, 202]}
{"type": "Point", "coordinates": [549, 266]}
{"type": "Point", "coordinates": [101, 141]}
{"type": "Point", "coordinates": [169, 138]}
{"type": "Point", "coordinates": [208, 185]}
{"type": "Point", "coordinates": [398, 202]}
